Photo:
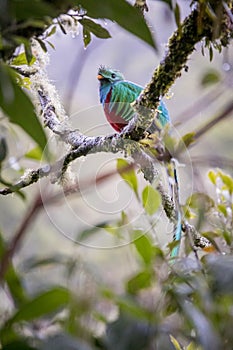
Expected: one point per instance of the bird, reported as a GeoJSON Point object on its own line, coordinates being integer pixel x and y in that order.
{"type": "Point", "coordinates": [116, 97]}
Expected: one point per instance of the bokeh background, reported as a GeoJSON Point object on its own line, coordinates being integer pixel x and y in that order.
{"type": "Point", "coordinates": [73, 70]}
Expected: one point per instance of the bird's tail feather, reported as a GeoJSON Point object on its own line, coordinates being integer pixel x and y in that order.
{"type": "Point", "coordinates": [174, 184]}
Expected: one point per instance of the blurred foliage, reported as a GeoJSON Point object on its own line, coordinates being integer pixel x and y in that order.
{"type": "Point", "coordinates": [186, 304]}
{"type": "Point", "coordinates": [183, 304]}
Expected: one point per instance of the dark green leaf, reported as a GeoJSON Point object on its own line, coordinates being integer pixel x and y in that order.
{"type": "Point", "coordinates": [50, 44]}
{"type": "Point", "coordinates": [28, 52]}
{"type": "Point", "coordinates": [23, 9]}
{"type": "Point", "coordinates": [62, 27]}
{"type": "Point", "coordinates": [19, 108]}
{"type": "Point", "coordinates": [42, 305]}
{"type": "Point", "coordinates": [51, 31]}
{"type": "Point", "coordinates": [121, 12]}
{"type": "Point", "coordinates": [139, 281]}
{"type": "Point", "coordinates": [86, 37]}
{"type": "Point", "coordinates": [3, 148]}
{"type": "Point", "coordinates": [211, 53]}
{"type": "Point", "coordinates": [211, 77]}
{"type": "Point", "coordinates": [151, 199]}
{"type": "Point", "coordinates": [18, 345]}
{"type": "Point", "coordinates": [95, 28]}
{"type": "Point", "coordinates": [42, 44]}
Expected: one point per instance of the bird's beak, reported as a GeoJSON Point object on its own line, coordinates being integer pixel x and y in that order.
{"type": "Point", "coordinates": [99, 77]}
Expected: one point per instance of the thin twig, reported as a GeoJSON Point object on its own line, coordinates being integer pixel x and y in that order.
{"type": "Point", "coordinates": [225, 114]}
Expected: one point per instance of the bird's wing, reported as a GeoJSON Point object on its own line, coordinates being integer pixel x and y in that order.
{"type": "Point", "coordinates": [125, 91]}
{"type": "Point", "coordinates": [122, 94]}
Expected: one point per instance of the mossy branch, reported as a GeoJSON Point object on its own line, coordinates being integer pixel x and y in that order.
{"type": "Point", "coordinates": [181, 45]}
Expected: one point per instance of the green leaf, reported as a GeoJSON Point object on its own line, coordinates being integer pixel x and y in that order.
{"type": "Point", "coordinates": [211, 77]}
{"type": "Point", "coordinates": [228, 237]}
{"type": "Point", "coordinates": [62, 27]}
{"type": "Point", "coordinates": [139, 281]}
{"type": "Point", "coordinates": [222, 208]}
{"type": "Point", "coordinates": [19, 108]}
{"type": "Point", "coordinates": [28, 52]}
{"type": "Point", "coordinates": [33, 263]}
{"type": "Point", "coordinates": [86, 37]}
{"type": "Point", "coordinates": [50, 44]}
{"type": "Point", "coordinates": [185, 141]}
{"type": "Point", "coordinates": [86, 233]}
{"type": "Point", "coordinates": [23, 9]}
{"type": "Point", "coordinates": [188, 138]}
{"type": "Point", "coordinates": [42, 305]}
{"type": "Point", "coordinates": [34, 153]}
{"type": "Point", "coordinates": [211, 53]}
{"type": "Point", "coordinates": [201, 201]}
{"type": "Point", "coordinates": [51, 31]}
{"type": "Point", "coordinates": [212, 176]}
{"type": "Point", "coordinates": [12, 279]}
{"type": "Point", "coordinates": [128, 174]}
{"type": "Point", "coordinates": [175, 343]}
{"type": "Point", "coordinates": [42, 44]}
{"type": "Point", "coordinates": [151, 199]}
{"type": "Point", "coordinates": [227, 180]}
{"type": "Point", "coordinates": [193, 346]}
{"type": "Point", "coordinates": [121, 12]}
{"type": "Point", "coordinates": [95, 28]}
{"type": "Point", "coordinates": [144, 247]}
{"type": "Point", "coordinates": [177, 15]}
{"type": "Point", "coordinates": [133, 308]}
{"type": "Point", "coordinates": [21, 60]}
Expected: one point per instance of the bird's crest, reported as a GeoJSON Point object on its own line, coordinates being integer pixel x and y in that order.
{"type": "Point", "coordinates": [107, 71]}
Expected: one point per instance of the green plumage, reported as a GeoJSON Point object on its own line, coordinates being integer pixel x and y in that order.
{"type": "Point", "coordinates": [117, 94]}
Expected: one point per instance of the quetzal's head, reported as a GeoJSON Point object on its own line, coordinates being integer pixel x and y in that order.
{"type": "Point", "coordinates": [108, 75]}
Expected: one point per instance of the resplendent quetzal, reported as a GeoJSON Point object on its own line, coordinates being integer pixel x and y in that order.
{"type": "Point", "coordinates": [116, 96]}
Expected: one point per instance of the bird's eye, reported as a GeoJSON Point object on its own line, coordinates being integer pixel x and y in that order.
{"type": "Point", "coordinates": [113, 75]}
